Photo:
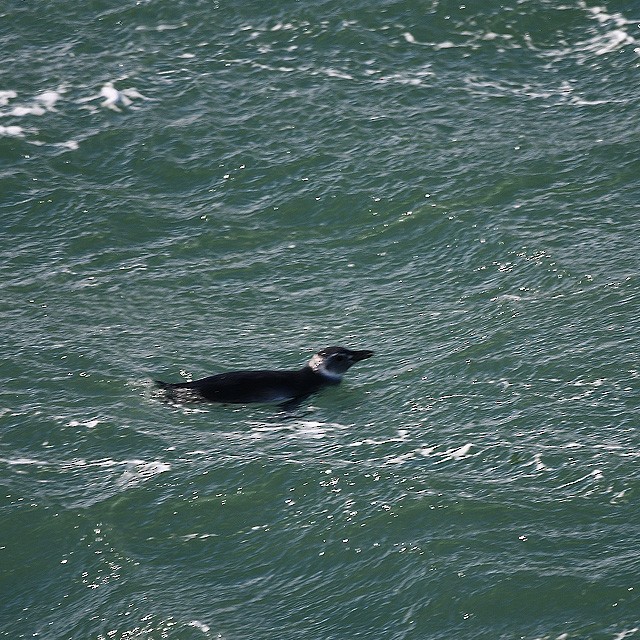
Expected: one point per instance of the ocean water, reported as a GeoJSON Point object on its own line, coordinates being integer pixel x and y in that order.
{"type": "Point", "coordinates": [192, 187]}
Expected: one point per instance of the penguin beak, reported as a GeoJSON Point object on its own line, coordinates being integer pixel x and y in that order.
{"type": "Point", "coordinates": [356, 356]}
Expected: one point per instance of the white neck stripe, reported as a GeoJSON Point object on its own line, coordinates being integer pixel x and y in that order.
{"type": "Point", "coordinates": [318, 365]}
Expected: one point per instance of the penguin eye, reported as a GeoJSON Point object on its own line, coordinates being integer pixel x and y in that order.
{"type": "Point", "coordinates": [339, 357]}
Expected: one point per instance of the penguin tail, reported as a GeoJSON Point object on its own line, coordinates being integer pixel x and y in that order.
{"type": "Point", "coordinates": [176, 392]}
{"type": "Point", "coordinates": [168, 390]}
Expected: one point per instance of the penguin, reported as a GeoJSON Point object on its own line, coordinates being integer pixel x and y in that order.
{"type": "Point", "coordinates": [241, 387]}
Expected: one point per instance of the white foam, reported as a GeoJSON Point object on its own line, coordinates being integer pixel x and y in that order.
{"type": "Point", "coordinates": [538, 464]}
{"type": "Point", "coordinates": [34, 110]}
{"type": "Point", "coordinates": [312, 429]}
{"type": "Point", "coordinates": [114, 99]}
{"type": "Point", "coordinates": [611, 40]}
{"type": "Point", "coordinates": [335, 73]}
{"type": "Point", "coordinates": [137, 471]}
{"type": "Point", "coordinates": [199, 625]}
{"type": "Point", "coordinates": [5, 96]}
{"type": "Point", "coordinates": [458, 454]}
{"type": "Point", "coordinates": [40, 103]}
{"type": "Point", "coordinates": [18, 462]}
{"type": "Point", "coordinates": [49, 98]}
{"type": "Point", "coordinates": [12, 131]}
{"type": "Point", "coordinates": [403, 457]}
{"type": "Point", "coordinates": [447, 44]}
{"type": "Point", "coordinates": [162, 27]}
{"type": "Point", "coordinates": [69, 144]}
{"type": "Point", "coordinates": [596, 474]}
{"type": "Point", "coordinates": [94, 422]}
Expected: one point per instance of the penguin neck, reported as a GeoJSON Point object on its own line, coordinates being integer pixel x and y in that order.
{"type": "Point", "coordinates": [317, 366]}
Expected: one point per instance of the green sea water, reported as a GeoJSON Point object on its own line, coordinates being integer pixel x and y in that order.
{"type": "Point", "coordinates": [188, 188]}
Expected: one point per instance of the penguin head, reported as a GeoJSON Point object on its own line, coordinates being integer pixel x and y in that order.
{"type": "Point", "coordinates": [332, 362]}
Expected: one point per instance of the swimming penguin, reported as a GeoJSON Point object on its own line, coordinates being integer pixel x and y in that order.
{"type": "Point", "coordinates": [325, 368]}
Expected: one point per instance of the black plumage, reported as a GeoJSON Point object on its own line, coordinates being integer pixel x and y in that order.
{"type": "Point", "coordinates": [325, 368]}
